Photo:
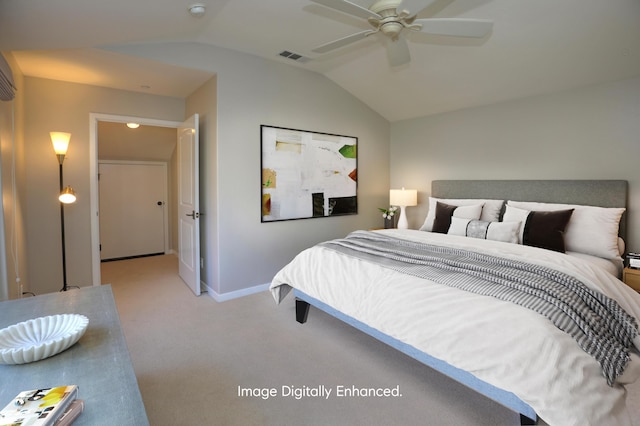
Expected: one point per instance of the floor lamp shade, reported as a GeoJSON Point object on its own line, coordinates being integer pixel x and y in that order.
{"type": "Point", "coordinates": [403, 198]}
{"type": "Point", "coordinates": [60, 141]}
{"type": "Point", "coordinates": [68, 195]}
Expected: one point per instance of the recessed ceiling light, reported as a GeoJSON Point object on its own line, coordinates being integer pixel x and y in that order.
{"type": "Point", "coordinates": [133, 125]}
{"type": "Point", "coordinates": [197, 9]}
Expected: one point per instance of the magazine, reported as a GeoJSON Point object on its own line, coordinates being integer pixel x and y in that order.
{"type": "Point", "coordinates": [39, 407]}
{"type": "Point", "coordinates": [71, 413]}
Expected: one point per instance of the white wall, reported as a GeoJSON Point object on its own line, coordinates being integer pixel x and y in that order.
{"type": "Point", "coordinates": [253, 91]}
{"type": "Point", "coordinates": [589, 133]}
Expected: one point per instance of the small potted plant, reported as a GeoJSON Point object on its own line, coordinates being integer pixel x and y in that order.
{"type": "Point", "coordinates": [389, 216]}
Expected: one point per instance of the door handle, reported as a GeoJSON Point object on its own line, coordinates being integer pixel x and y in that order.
{"type": "Point", "coordinates": [194, 214]}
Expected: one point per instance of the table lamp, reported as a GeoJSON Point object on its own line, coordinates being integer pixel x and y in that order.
{"type": "Point", "coordinates": [403, 198]}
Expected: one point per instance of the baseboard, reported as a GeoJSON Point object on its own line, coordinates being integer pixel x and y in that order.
{"type": "Point", "coordinates": [236, 294]}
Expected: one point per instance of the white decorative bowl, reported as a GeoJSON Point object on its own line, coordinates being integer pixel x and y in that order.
{"type": "Point", "coordinates": [40, 338]}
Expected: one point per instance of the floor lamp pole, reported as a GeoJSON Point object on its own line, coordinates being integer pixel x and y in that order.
{"type": "Point", "coordinates": [64, 255]}
{"type": "Point", "coordinates": [60, 142]}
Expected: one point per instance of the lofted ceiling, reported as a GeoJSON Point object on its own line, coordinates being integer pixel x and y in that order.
{"type": "Point", "coordinates": [536, 47]}
{"type": "Point", "coordinates": [145, 143]}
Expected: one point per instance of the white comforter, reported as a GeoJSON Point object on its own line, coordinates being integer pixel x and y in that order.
{"type": "Point", "coordinates": [503, 344]}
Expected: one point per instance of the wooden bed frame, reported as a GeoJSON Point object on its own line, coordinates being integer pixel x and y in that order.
{"type": "Point", "coordinates": [603, 193]}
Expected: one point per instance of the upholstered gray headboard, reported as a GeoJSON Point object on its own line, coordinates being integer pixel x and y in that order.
{"type": "Point", "coordinates": [602, 193]}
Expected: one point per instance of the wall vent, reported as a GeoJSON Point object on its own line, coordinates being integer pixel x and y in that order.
{"type": "Point", "coordinates": [293, 56]}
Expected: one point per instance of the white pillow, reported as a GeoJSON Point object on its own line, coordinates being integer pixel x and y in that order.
{"type": "Point", "coordinates": [514, 214]}
{"type": "Point", "coordinates": [591, 230]}
{"type": "Point", "coordinates": [490, 209]}
{"type": "Point", "coordinates": [468, 212]}
{"type": "Point", "coordinates": [504, 231]}
{"type": "Point", "coordinates": [496, 231]}
{"type": "Point", "coordinates": [458, 226]}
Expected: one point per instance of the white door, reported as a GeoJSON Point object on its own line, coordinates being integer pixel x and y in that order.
{"type": "Point", "coordinates": [132, 209]}
{"type": "Point", "coordinates": [188, 204]}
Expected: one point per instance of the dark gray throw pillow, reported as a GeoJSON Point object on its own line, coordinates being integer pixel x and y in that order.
{"type": "Point", "coordinates": [545, 229]}
{"type": "Point", "coordinates": [443, 217]}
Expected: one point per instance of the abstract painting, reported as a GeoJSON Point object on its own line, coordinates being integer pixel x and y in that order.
{"type": "Point", "coordinates": [307, 174]}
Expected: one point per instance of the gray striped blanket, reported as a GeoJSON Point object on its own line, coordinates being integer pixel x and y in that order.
{"type": "Point", "coordinates": [597, 323]}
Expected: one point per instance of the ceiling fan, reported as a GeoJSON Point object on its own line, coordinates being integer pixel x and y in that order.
{"type": "Point", "coordinates": [392, 17]}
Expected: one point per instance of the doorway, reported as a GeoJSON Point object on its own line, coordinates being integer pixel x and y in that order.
{"type": "Point", "coordinates": [96, 123]}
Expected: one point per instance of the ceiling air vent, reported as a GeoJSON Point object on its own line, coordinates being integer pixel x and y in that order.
{"type": "Point", "coordinates": [293, 56]}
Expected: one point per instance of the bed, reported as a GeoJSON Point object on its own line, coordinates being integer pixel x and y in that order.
{"type": "Point", "coordinates": [505, 344]}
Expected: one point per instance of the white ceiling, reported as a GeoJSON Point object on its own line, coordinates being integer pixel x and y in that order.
{"type": "Point", "coordinates": [536, 47]}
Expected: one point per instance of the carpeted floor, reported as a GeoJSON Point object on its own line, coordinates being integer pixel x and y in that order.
{"type": "Point", "coordinates": [248, 362]}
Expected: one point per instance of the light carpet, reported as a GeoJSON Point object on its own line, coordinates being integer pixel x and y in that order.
{"type": "Point", "coordinates": [192, 354]}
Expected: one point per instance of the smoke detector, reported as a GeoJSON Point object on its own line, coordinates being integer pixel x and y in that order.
{"type": "Point", "coordinates": [197, 10]}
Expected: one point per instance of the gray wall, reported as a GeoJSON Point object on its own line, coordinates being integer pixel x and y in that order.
{"type": "Point", "coordinates": [59, 106]}
{"type": "Point", "coordinates": [14, 278]}
{"type": "Point", "coordinates": [589, 133]}
{"type": "Point", "coordinates": [250, 92]}
{"type": "Point", "coordinates": [239, 251]}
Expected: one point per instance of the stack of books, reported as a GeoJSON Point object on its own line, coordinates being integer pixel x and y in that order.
{"type": "Point", "coordinates": [57, 406]}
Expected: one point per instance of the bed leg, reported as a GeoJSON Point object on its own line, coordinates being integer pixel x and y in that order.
{"type": "Point", "coordinates": [526, 420]}
{"type": "Point", "coordinates": [302, 310]}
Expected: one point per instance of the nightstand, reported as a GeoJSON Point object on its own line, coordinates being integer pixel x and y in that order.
{"type": "Point", "coordinates": [631, 277]}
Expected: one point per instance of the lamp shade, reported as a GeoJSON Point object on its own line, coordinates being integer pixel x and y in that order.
{"type": "Point", "coordinates": [60, 142]}
{"type": "Point", "coordinates": [67, 196]}
{"type": "Point", "coordinates": [403, 197]}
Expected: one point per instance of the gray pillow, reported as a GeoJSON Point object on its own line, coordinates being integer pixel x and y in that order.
{"type": "Point", "coordinates": [497, 231]}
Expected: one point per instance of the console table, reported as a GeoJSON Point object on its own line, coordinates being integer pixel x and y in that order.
{"type": "Point", "coordinates": [98, 363]}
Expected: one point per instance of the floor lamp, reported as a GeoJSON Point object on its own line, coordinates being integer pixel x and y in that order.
{"type": "Point", "coordinates": [67, 195]}
{"type": "Point", "coordinates": [403, 198]}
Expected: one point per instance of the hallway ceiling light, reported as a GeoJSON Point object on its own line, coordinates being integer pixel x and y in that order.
{"type": "Point", "coordinates": [133, 125]}
{"type": "Point", "coordinates": [197, 10]}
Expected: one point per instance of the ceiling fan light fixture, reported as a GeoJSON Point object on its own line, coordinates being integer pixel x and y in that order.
{"type": "Point", "coordinates": [197, 10]}
{"type": "Point", "coordinates": [391, 29]}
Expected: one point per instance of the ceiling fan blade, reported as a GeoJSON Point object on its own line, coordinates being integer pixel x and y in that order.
{"type": "Point", "coordinates": [414, 6]}
{"type": "Point", "coordinates": [332, 45]}
{"type": "Point", "coordinates": [348, 7]}
{"type": "Point", "coordinates": [457, 27]}
{"type": "Point", "coordinates": [398, 51]}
